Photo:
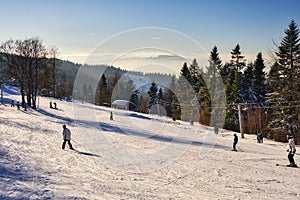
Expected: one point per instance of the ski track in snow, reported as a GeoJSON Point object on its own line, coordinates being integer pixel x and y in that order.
{"type": "Point", "coordinates": [33, 165]}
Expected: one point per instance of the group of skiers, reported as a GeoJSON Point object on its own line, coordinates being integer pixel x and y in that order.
{"type": "Point", "coordinates": [18, 105]}
{"type": "Point", "coordinates": [54, 105]}
{"type": "Point", "coordinates": [290, 138]}
{"type": "Point", "coordinates": [291, 142]}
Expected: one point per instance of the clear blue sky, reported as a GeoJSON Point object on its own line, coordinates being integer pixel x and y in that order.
{"type": "Point", "coordinates": [76, 27]}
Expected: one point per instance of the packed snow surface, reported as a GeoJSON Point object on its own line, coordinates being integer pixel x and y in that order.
{"type": "Point", "coordinates": [134, 156]}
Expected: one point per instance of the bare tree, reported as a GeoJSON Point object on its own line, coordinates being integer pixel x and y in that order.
{"type": "Point", "coordinates": [25, 59]}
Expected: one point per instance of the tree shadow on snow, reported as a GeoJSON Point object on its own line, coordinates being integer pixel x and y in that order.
{"type": "Point", "coordinates": [65, 119]}
{"type": "Point", "coordinates": [113, 129]}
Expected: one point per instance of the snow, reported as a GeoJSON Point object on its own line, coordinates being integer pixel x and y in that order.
{"type": "Point", "coordinates": [135, 156]}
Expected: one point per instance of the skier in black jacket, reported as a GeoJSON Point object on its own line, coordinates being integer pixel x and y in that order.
{"type": "Point", "coordinates": [235, 141]}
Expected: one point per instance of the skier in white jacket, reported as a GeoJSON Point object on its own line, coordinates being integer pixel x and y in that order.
{"type": "Point", "coordinates": [66, 137]}
{"type": "Point", "coordinates": [291, 150]}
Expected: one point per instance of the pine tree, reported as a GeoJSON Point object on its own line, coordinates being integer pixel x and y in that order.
{"type": "Point", "coordinates": [152, 94]}
{"type": "Point", "coordinates": [185, 72]}
{"type": "Point", "coordinates": [286, 91]}
{"type": "Point", "coordinates": [231, 99]}
{"type": "Point", "coordinates": [215, 64]}
{"type": "Point", "coordinates": [169, 97]}
{"type": "Point", "coordinates": [193, 75]}
{"type": "Point", "coordinates": [237, 59]}
{"type": "Point", "coordinates": [260, 86]}
{"type": "Point", "coordinates": [248, 95]}
{"type": "Point", "coordinates": [224, 72]}
{"type": "Point", "coordinates": [234, 89]}
{"type": "Point", "coordinates": [185, 93]}
{"type": "Point", "coordinates": [103, 94]}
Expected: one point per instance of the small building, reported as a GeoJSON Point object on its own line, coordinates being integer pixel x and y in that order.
{"type": "Point", "coordinates": [123, 104]}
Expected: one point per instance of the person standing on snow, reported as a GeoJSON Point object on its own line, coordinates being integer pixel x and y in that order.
{"type": "Point", "coordinates": [216, 129]}
{"type": "Point", "coordinates": [291, 150]}
{"type": "Point", "coordinates": [111, 116]}
{"type": "Point", "coordinates": [258, 137]}
{"type": "Point", "coordinates": [66, 137]}
{"type": "Point", "coordinates": [235, 141]}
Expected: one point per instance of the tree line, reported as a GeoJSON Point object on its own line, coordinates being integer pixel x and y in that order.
{"type": "Point", "coordinates": [269, 101]}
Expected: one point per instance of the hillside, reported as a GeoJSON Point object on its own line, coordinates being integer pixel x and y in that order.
{"type": "Point", "coordinates": [134, 156]}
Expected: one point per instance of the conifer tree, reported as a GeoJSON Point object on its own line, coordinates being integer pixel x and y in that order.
{"type": "Point", "coordinates": [260, 86]}
{"type": "Point", "coordinates": [169, 97]}
{"type": "Point", "coordinates": [234, 89]}
{"type": "Point", "coordinates": [152, 94]}
{"type": "Point", "coordinates": [248, 95]}
{"type": "Point", "coordinates": [287, 89]}
{"type": "Point", "coordinates": [212, 75]}
{"type": "Point", "coordinates": [194, 74]}
{"type": "Point", "coordinates": [231, 99]}
{"type": "Point", "coordinates": [103, 94]}
{"type": "Point", "coordinates": [237, 59]}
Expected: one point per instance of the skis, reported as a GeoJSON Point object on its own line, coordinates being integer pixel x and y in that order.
{"type": "Point", "coordinates": [287, 166]}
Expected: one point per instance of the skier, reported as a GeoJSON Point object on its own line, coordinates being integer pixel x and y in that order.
{"type": "Point", "coordinates": [50, 104]}
{"type": "Point", "coordinates": [191, 122]}
{"type": "Point", "coordinates": [18, 105]}
{"type": "Point", "coordinates": [291, 150]}
{"type": "Point", "coordinates": [67, 137]}
{"type": "Point", "coordinates": [235, 141]}
{"type": "Point", "coordinates": [12, 103]}
{"type": "Point", "coordinates": [216, 129]}
{"type": "Point", "coordinates": [258, 137]}
{"type": "Point", "coordinates": [25, 106]}
{"type": "Point", "coordinates": [111, 116]}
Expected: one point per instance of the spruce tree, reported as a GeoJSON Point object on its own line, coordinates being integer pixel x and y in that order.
{"type": "Point", "coordinates": [248, 95]}
{"type": "Point", "coordinates": [152, 94]}
{"type": "Point", "coordinates": [193, 75]}
{"type": "Point", "coordinates": [169, 97]}
{"type": "Point", "coordinates": [212, 75]}
{"type": "Point", "coordinates": [234, 89]}
{"type": "Point", "coordinates": [185, 92]}
{"type": "Point", "coordinates": [231, 99]}
{"type": "Point", "coordinates": [288, 77]}
{"type": "Point", "coordinates": [210, 87]}
{"type": "Point", "coordinates": [237, 59]}
{"type": "Point", "coordinates": [102, 91]}
{"type": "Point", "coordinates": [260, 86]}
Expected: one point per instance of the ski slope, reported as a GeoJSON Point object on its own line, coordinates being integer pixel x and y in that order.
{"type": "Point", "coordinates": [134, 156]}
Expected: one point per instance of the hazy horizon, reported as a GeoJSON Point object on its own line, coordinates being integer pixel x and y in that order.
{"type": "Point", "coordinates": [81, 29]}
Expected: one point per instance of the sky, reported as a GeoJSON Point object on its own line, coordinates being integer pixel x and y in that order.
{"type": "Point", "coordinates": [135, 33]}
